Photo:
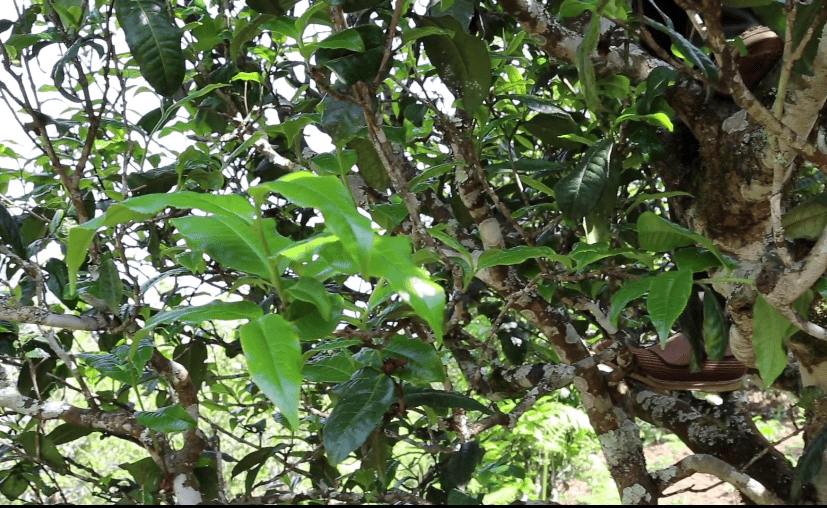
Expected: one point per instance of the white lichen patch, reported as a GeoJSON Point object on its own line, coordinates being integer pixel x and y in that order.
{"type": "Point", "coordinates": [53, 409]}
{"type": "Point", "coordinates": [703, 433]}
{"type": "Point", "coordinates": [619, 443]}
{"type": "Point", "coordinates": [736, 122]}
{"type": "Point", "coordinates": [572, 337]}
{"type": "Point", "coordinates": [666, 474]}
{"type": "Point", "coordinates": [635, 494]}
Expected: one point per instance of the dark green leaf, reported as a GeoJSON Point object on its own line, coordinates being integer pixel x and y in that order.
{"type": "Point", "coordinates": [38, 445]}
{"type": "Point", "coordinates": [10, 233]}
{"type": "Point", "coordinates": [341, 120]}
{"type": "Point", "coordinates": [440, 399]}
{"type": "Point", "coordinates": [272, 7]}
{"type": "Point", "coordinates": [67, 432]}
{"type": "Point", "coordinates": [423, 364]}
{"type": "Point", "coordinates": [110, 286]}
{"type": "Point", "coordinates": [687, 49]}
{"type": "Point", "coordinates": [810, 463]}
{"type": "Point", "coordinates": [579, 191]}
{"type": "Point", "coordinates": [462, 61]}
{"type": "Point", "coordinates": [716, 331]}
{"type": "Point", "coordinates": [365, 399]}
{"type": "Point", "coordinates": [370, 165]}
{"type": "Point", "coordinates": [155, 42]}
{"type": "Point", "coordinates": [549, 128]}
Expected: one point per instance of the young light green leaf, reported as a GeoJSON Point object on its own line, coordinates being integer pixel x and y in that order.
{"type": "Point", "coordinates": [166, 419]}
{"type": "Point", "coordinates": [233, 242]}
{"type": "Point", "coordinates": [579, 192]}
{"type": "Point", "coordinates": [392, 261]}
{"type": "Point", "coordinates": [142, 208]}
{"type": "Point", "coordinates": [770, 331]}
{"type": "Point", "coordinates": [365, 399]}
{"type": "Point", "coordinates": [328, 195]}
{"type": "Point", "coordinates": [668, 294]}
{"type": "Point", "coordinates": [226, 311]}
{"type": "Point", "coordinates": [274, 358]}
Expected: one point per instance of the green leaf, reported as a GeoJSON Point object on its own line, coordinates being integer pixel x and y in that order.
{"type": "Point", "coordinates": [659, 235]}
{"type": "Point", "coordinates": [550, 127]}
{"type": "Point", "coordinates": [462, 61]}
{"type": "Point", "coordinates": [329, 369]}
{"type": "Point", "coordinates": [354, 54]}
{"type": "Point", "coordinates": [225, 311]}
{"type": "Point", "coordinates": [166, 419]}
{"type": "Point", "coordinates": [770, 330]}
{"type": "Point", "coordinates": [111, 366]}
{"type": "Point", "coordinates": [668, 294]}
{"type": "Point", "coordinates": [370, 165]}
{"type": "Point", "coordinates": [716, 331]}
{"type": "Point", "coordinates": [579, 192]}
{"type": "Point", "coordinates": [329, 196]}
{"type": "Point", "coordinates": [312, 291]}
{"type": "Point", "coordinates": [272, 7]}
{"type": "Point", "coordinates": [274, 358]}
{"type": "Point", "coordinates": [110, 285]}
{"type": "Point", "coordinates": [695, 259]}
{"type": "Point", "coordinates": [154, 41]}
{"type": "Point", "coordinates": [631, 291]}
{"type": "Point", "coordinates": [584, 63]}
{"type": "Point", "coordinates": [308, 320]}
{"type": "Point", "coordinates": [244, 32]}
{"type": "Point", "coordinates": [145, 207]}
{"type": "Point", "coordinates": [810, 463]}
{"type": "Point", "coordinates": [657, 82]}
{"type": "Point", "coordinates": [365, 399]}
{"type": "Point", "coordinates": [233, 242]}
{"type": "Point", "coordinates": [146, 473]}
{"type": "Point", "coordinates": [392, 261]}
{"type": "Point", "coordinates": [806, 220]}
{"type": "Point", "coordinates": [38, 445]}
{"type": "Point", "coordinates": [516, 255]}
{"type": "Point", "coordinates": [440, 399]}
{"type": "Point", "coordinates": [423, 364]}
{"type": "Point", "coordinates": [67, 432]}
{"type": "Point", "coordinates": [342, 120]}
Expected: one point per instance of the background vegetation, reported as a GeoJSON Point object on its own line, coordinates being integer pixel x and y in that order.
{"type": "Point", "coordinates": [382, 251]}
